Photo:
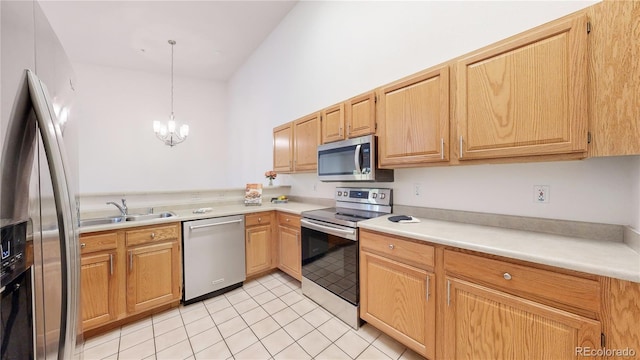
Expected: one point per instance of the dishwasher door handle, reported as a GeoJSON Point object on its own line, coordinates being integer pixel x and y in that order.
{"type": "Point", "coordinates": [196, 227]}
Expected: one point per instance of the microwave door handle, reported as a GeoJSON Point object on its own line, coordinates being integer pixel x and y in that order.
{"type": "Point", "coordinates": [356, 159]}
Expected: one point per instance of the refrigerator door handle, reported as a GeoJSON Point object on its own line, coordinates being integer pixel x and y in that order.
{"type": "Point", "coordinates": [65, 209]}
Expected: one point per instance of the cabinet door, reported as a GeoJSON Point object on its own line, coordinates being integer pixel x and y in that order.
{"type": "Point", "coordinates": [98, 289]}
{"type": "Point", "coordinates": [305, 143]}
{"type": "Point", "coordinates": [414, 119]}
{"type": "Point", "coordinates": [481, 323]}
{"type": "Point", "coordinates": [399, 300]}
{"type": "Point", "coordinates": [290, 251]}
{"type": "Point", "coordinates": [526, 96]}
{"type": "Point", "coordinates": [360, 114]}
{"type": "Point", "coordinates": [153, 275]}
{"type": "Point", "coordinates": [283, 148]}
{"type": "Point", "coordinates": [333, 123]}
{"type": "Point", "coordinates": [614, 78]}
{"type": "Point", "coordinates": [258, 249]}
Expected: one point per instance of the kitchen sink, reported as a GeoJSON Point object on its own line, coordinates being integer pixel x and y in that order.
{"type": "Point", "coordinates": [119, 219]}
{"type": "Point", "coordinates": [139, 217]}
{"type": "Point", "coordinates": [102, 221]}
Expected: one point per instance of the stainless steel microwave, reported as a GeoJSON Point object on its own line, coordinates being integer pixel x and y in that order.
{"type": "Point", "coordinates": [351, 160]}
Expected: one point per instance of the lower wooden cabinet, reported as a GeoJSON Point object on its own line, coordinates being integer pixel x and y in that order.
{"type": "Point", "coordinates": [153, 276]}
{"type": "Point", "coordinates": [397, 292]}
{"type": "Point", "coordinates": [259, 244]}
{"type": "Point", "coordinates": [482, 323]}
{"type": "Point", "coordinates": [99, 274]}
{"type": "Point", "coordinates": [99, 293]}
{"type": "Point", "coordinates": [289, 245]}
{"type": "Point", "coordinates": [127, 272]}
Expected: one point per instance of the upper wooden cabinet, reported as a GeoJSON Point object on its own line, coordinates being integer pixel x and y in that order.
{"type": "Point", "coordinates": [614, 78]}
{"type": "Point", "coordinates": [526, 95]}
{"type": "Point", "coordinates": [283, 148]}
{"type": "Point", "coordinates": [306, 138]}
{"type": "Point", "coordinates": [360, 115]}
{"type": "Point", "coordinates": [333, 123]}
{"type": "Point", "coordinates": [413, 116]}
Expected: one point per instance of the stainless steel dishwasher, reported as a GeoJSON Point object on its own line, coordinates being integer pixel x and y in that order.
{"type": "Point", "coordinates": [213, 256]}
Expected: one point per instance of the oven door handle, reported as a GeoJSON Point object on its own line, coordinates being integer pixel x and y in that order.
{"type": "Point", "coordinates": [314, 225]}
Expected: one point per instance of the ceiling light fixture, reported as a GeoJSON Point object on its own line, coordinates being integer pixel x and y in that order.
{"type": "Point", "coordinates": [167, 133]}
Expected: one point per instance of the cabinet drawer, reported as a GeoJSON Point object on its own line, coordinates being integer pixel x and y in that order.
{"type": "Point", "coordinates": [289, 220]}
{"type": "Point", "coordinates": [152, 234]}
{"type": "Point", "coordinates": [98, 242]}
{"type": "Point", "coordinates": [519, 279]}
{"type": "Point", "coordinates": [261, 218]}
{"type": "Point", "coordinates": [419, 255]}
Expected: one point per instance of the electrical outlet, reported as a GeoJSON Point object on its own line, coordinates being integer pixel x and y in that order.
{"type": "Point", "coordinates": [416, 189]}
{"type": "Point", "coordinates": [541, 193]}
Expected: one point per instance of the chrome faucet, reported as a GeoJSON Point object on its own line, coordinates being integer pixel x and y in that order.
{"type": "Point", "coordinates": [123, 209]}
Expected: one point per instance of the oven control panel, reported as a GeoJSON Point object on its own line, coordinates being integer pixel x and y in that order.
{"type": "Point", "coordinates": [364, 195]}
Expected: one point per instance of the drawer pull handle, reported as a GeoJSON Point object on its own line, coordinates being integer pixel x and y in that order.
{"type": "Point", "coordinates": [507, 276]}
{"type": "Point", "coordinates": [391, 246]}
{"type": "Point", "coordinates": [153, 235]}
{"type": "Point", "coordinates": [83, 245]}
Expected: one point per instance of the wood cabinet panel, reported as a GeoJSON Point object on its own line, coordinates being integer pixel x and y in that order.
{"type": "Point", "coordinates": [416, 254]}
{"type": "Point", "coordinates": [306, 138]}
{"type": "Point", "coordinates": [481, 323]}
{"type": "Point", "coordinates": [525, 96]}
{"type": "Point", "coordinates": [360, 115]}
{"type": "Point", "coordinates": [153, 276]}
{"type": "Point", "coordinates": [290, 251]}
{"type": "Point", "coordinates": [99, 290]}
{"type": "Point", "coordinates": [261, 218]}
{"type": "Point", "coordinates": [259, 245]}
{"type": "Point", "coordinates": [413, 117]}
{"type": "Point", "coordinates": [399, 300]}
{"type": "Point", "coordinates": [614, 78]}
{"type": "Point", "coordinates": [522, 280]}
{"type": "Point", "coordinates": [151, 234]}
{"type": "Point", "coordinates": [287, 219]}
{"type": "Point", "coordinates": [333, 123]}
{"type": "Point", "coordinates": [620, 314]}
{"type": "Point", "coordinates": [283, 148]}
{"type": "Point", "coordinates": [98, 242]}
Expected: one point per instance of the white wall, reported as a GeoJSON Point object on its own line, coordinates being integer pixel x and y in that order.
{"type": "Point", "coordinates": [325, 52]}
{"type": "Point", "coordinates": [118, 149]}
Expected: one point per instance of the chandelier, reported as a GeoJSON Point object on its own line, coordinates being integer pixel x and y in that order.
{"type": "Point", "coordinates": [167, 133]}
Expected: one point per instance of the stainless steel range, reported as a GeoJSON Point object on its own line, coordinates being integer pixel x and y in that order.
{"type": "Point", "coordinates": [330, 264]}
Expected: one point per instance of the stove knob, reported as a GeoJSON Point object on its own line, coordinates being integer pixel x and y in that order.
{"type": "Point", "coordinates": [383, 195]}
{"type": "Point", "coordinates": [345, 193]}
{"type": "Point", "coordinates": [339, 193]}
{"type": "Point", "coordinates": [374, 195]}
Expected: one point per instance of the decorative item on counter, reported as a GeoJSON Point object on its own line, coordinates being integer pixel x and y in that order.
{"type": "Point", "coordinates": [253, 194]}
{"type": "Point", "coordinates": [270, 175]}
{"type": "Point", "coordinates": [404, 219]}
{"type": "Point", "coordinates": [282, 199]}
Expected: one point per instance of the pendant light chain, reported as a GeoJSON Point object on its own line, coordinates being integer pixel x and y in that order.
{"type": "Point", "coordinates": [172, 42]}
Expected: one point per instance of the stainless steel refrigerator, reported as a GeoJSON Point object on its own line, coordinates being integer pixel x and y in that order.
{"type": "Point", "coordinates": [40, 257]}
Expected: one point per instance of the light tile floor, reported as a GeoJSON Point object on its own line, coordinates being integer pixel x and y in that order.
{"type": "Point", "coordinates": [268, 318]}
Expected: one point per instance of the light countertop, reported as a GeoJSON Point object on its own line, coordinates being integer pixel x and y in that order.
{"type": "Point", "coordinates": [607, 258]}
{"type": "Point", "coordinates": [216, 211]}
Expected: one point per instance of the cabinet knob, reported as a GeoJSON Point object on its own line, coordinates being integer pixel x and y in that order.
{"type": "Point", "coordinates": [287, 219]}
{"type": "Point", "coordinates": [83, 245]}
{"type": "Point", "coordinates": [391, 246]}
{"type": "Point", "coordinates": [507, 276]}
{"type": "Point", "coordinates": [259, 219]}
{"type": "Point", "coordinates": [153, 235]}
